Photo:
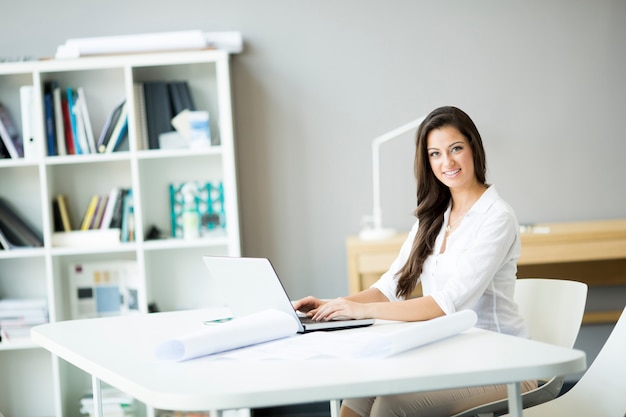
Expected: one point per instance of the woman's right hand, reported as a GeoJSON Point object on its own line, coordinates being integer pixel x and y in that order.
{"type": "Point", "coordinates": [308, 305]}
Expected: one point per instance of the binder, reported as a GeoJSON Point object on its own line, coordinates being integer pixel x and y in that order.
{"type": "Point", "coordinates": [30, 142]}
{"type": "Point", "coordinates": [158, 111]}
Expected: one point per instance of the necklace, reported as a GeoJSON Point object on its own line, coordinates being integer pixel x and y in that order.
{"type": "Point", "coordinates": [451, 225]}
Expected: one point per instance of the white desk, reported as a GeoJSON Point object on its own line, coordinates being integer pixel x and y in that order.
{"type": "Point", "coordinates": [119, 351]}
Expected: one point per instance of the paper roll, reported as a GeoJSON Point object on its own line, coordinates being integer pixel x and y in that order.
{"type": "Point", "coordinates": [418, 334]}
{"type": "Point", "coordinates": [245, 331]}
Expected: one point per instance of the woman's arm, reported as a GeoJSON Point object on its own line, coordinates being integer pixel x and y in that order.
{"type": "Point", "coordinates": [310, 304]}
{"type": "Point", "coordinates": [371, 303]}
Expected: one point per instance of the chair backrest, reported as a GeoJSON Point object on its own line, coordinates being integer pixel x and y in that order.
{"type": "Point", "coordinates": [600, 391]}
{"type": "Point", "coordinates": [553, 308]}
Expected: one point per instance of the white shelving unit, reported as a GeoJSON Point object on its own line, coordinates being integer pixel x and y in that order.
{"type": "Point", "coordinates": [172, 273]}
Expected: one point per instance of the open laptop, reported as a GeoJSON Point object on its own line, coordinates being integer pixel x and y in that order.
{"type": "Point", "coordinates": [251, 285]}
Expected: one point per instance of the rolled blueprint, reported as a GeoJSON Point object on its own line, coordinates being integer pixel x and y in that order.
{"type": "Point", "coordinates": [240, 332]}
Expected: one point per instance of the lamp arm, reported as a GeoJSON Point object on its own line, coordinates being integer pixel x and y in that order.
{"type": "Point", "coordinates": [376, 144]}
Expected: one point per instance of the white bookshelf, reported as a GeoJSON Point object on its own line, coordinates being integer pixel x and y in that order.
{"type": "Point", "coordinates": [171, 271]}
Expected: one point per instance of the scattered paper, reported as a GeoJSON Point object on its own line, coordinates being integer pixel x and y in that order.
{"type": "Point", "coordinates": [378, 341]}
{"type": "Point", "coordinates": [272, 335]}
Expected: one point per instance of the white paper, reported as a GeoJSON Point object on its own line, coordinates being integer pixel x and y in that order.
{"type": "Point", "coordinates": [378, 341]}
{"type": "Point", "coordinates": [419, 334]}
{"type": "Point", "coordinates": [245, 331]}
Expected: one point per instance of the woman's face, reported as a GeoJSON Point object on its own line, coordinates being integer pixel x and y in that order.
{"type": "Point", "coordinates": [451, 158]}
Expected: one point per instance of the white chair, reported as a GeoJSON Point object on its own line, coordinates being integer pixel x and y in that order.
{"type": "Point", "coordinates": [553, 310]}
{"type": "Point", "coordinates": [601, 391]}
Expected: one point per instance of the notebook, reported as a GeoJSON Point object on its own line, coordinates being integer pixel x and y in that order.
{"type": "Point", "coordinates": [251, 285]}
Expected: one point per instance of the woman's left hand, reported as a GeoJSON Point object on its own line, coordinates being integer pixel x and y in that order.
{"type": "Point", "coordinates": [339, 308]}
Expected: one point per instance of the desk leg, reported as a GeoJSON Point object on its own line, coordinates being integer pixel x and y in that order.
{"type": "Point", "coordinates": [515, 399]}
{"type": "Point", "coordinates": [97, 396]}
{"type": "Point", "coordinates": [335, 405]}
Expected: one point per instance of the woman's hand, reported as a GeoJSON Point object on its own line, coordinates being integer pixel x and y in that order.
{"type": "Point", "coordinates": [308, 305]}
{"type": "Point", "coordinates": [341, 307]}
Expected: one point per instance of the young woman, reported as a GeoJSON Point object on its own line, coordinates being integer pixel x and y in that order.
{"type": "Point", "coordinates": [463, 249]}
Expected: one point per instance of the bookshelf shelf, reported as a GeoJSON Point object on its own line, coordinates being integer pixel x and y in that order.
{"type": "Point", "coordinates": [170, 272]}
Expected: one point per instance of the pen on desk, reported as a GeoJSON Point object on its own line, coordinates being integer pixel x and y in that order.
{"type": "Point", "coordinates": [216, 321]}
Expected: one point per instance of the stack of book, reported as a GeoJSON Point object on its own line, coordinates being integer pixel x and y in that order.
{"type": "Point", "coordinates": [109, 219]}
{"type": "Point", "coordinates": [18, 316]}
{"type": "Point", "coordinates": [68, 125]}
{"type": "Point", "coordinates": [115, 403]}
{"type": "Point", "coordinates": [158, 102]}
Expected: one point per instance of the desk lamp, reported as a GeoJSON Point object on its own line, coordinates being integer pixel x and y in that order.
{"type": "Point", "coordinates": [374, 229]}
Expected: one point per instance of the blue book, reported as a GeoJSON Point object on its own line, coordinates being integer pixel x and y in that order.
{"type": "Point", "coordinates": [50, 126]}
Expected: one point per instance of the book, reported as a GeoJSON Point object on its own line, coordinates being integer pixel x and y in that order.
{"type": "Point", "coordinates": [69, 95]}
{"type": "Point", "coordinates": [86, 121]}
{"type": "Point", "coordinates": [58, 121]}
{"type": "Point", "coordinates": [5, 243]}
{"type": "Point", "coordinates": [16, 230]}
{"type": "Point", "coordinates": [79, 120]}
{"type": "Point", "coordinates": [9, 134]}
{"type": "Point", "coordinates": [95, 212]}
{"type": "Point", "coordinates": [107, 214]}
{"type": "Point", "coordinates": [158, 111]}
{"type": "Point", "coordinates": [118, 210]}
{"type": "Point", "coordinates": [141, 128]}
{"type": "Point", "coordinates": [128, 217]}
{"type": "Point", "coordinates": [67, 127]}
{"type": "Point", "coordinates": [48, 102]}
{"type": "Point", "coordinates": [180, 97]}
{"type": "Point", "coordinates": [65, 216]}
{"type": "Point", "coordinates": [4, 153]}
{"type": "Point", "coordinates": [29, 140]}
{"type": "Point", "coordinates": [89, 213]}
{"type": "Point", "coordinates": [97, 218]}
{"type": "Point", "coordinates": [23, 317]}
{"type": "Point", "coordinates": [119, 131]}
{"type": "Point", "coordinates": [56, 216]}
{"type": "Point", "coordinates": [19, 315]}
{"type": "Point", "coordinates": [109, 125]}
{"type": "Point", "coordinates": [23, 303]}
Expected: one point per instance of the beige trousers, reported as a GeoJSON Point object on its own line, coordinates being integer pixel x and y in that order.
{"type": "Point", "coordinates": [430, 404]}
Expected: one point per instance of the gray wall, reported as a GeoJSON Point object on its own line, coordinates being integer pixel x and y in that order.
{"type": "Point", "coordinates": [543, 80]}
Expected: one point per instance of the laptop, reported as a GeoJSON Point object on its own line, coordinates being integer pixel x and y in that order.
{"type": "Point", "coordinates": [251, 285]}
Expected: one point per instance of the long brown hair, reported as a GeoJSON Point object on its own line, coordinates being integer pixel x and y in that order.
{"type": "Point", "coordinates": [433, 197]}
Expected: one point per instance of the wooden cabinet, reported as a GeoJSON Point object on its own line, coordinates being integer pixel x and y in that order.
{"type": "Point", "coordinates": [592, 252]}
{"type": "Point", "coordinates": [170, 271]}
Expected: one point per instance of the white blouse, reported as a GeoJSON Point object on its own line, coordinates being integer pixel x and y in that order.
{"type": "Point", "coordinates": [477, 270]}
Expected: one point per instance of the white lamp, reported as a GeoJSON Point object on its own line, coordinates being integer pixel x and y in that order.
{"type": "Point", "coordinates": [374, 229]}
